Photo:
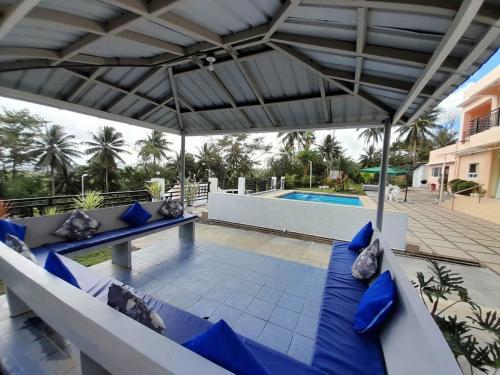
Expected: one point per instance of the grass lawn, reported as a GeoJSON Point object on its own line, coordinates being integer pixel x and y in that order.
{"type": "Point", "coordinates": [329, 190]}
{"type": "Point", "coordinates": [94, 257]}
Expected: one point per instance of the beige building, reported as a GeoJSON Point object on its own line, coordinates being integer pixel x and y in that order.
{"type": "Point", "coordinates": [476, 155]}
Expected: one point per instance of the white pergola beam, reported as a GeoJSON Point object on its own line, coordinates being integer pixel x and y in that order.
{"type": "Point", "coordinates": [154, 108]}
{"type": "Point", "coordinates": [360, 45]}
{"type": "Point", "coordinates": [200, 117]}
{"type": "Point", "coordinates": [176, 99]}
{"type": "Point", "coordinates": [460, 23]}
{"type": "Point", "coordinates": [77, 92]}
{"type": "Point", "coordinates": [280, 17]}
{"type": "Point", "coordinates": [324, 100]}
{"type": "Point", "coordinates": [14, 14]}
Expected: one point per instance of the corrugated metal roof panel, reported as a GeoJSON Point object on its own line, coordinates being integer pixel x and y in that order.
{"type": "Point", "coordinates": [163, 33]}
{"type": "Point", "coordinates": [94, 9]}
{"type": "Point", "coordinates": [39, 37]}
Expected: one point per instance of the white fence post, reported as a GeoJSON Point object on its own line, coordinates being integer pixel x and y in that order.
{"type": "Point", "coordinates": [282, 183]}
{"type": "Point", "coordinates": [274, 181]}
{"type": "Point", "coordinates": [214, 184]}
{"type": "Point", "coordinates": [241, 185]}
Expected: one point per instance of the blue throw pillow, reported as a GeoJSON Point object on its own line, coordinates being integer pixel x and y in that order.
{"type": "Point", "coordinates": [56, 267]}
{"type": "Point", "coordinates": [363, 238]}
{"type": "Point", "coordinates": [222, 346]}
{"type": "Point", "coordinates": [9, 227]}
{"type": "Point", "coordinates": [376, 304]}
{"type": "Point", "coordinates": [136, 215]}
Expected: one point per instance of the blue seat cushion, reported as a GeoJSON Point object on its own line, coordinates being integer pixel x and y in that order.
{"type": "Point", "coordinates": [182, 325]}
{"type": "Point", "coordinates": [376, 304]}
{"type": "Point", "coordinates": [363, 238]}
{"type": "Point", "coordinates": [222, 346]}
{"type": "Point", "coordinates": [56, 267]}
{"type": "Point", "coordinates": [108, 236]}
{"type": "Point", "coordinates": [338, 348]}
{"type": "Point", "coordinates": [135, 215]}
{"type": "Point", "coordinates": [9, 227]}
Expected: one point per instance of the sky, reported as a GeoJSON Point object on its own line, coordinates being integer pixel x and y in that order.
{"type": "Point", "coordinates": [83, 125]}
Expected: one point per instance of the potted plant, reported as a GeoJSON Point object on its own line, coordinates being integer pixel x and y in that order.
{"type": "Point", "coordinates": [154, 189]}
{"type": "Point", "coordinates": [89, 201]}
{"type": "Point", "coordinates": [190, 195]}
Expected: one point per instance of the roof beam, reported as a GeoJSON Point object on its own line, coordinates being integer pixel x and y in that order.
{"type": "Point", "coordinates": [360, 45]}
{"type": "Point", "coordinates": [442, 8]}
{"type": "Point", "coordinates": [198, 115]}
{"type": "Point", "coordinates": [135, 87]}
{"type": "Point", "coordinates": [222, 87]}
{"type": "Point", "coordinates": [153, 108]}
{"type": "Point", "coordinates": [460, 23]}
{"type": "Point", "coordinates": [318, 69]}
{"type": "Point", "coordinates": [176, 98]}
{"type": "Point", "coordinates": [253, 86]}
{"type": "Point", "coordinates": [76, 93]}
{"type": "Point", "coordinates": [14, 14]}
{"type": "Point", "coordinates": [326, 108]}
{"type": "Point", "coordinates": [280, 17]}
{"type": "Point", "coordinates": [484, 42]}
{"type": "Point", "coordinates": [389, 54]}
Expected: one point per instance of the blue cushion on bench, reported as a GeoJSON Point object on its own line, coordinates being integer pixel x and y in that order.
{"type": "Point", "coordinates": [56, 267]}
{"type": "Point", "coordinates": [135, 215]}
{"type": "Point", "coordinates": [183, 325]}
{"type": "Point", "coordinates": [363, 238]}
{"type": "Point", "coordinates": [108, 236]}
{"type": "Point", "coordinates": [338, 347]}
{"type": "Point", "coordinates": [9, 227]}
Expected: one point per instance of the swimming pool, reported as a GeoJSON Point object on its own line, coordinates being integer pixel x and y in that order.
{"type": "Point", "coordinates": [324, 198]}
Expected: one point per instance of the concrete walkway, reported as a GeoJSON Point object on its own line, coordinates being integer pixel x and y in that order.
{"type": "Point", "coordinates": [437, 230]}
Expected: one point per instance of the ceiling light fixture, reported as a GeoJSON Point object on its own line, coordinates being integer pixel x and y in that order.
{"type": "Point", "coordinates": [211, 61]}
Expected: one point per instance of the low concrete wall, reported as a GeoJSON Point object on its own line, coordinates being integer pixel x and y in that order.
{"type": "Point", "coordinates": [318, 219]}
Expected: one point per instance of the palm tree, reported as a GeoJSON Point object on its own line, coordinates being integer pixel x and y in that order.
{"type": "Point", "coordinates": [55, 149]}
{"type": "Point", "coordinates": [308, 139]}
{"type": "Point", "coordinates": [290, 139]}
{"type": "Point", "coordinates": [444, 136]}
{"type": "Point", "coordinates": [419, 131]}
{"type": "Point", "coordinates": [155, 146]}
{"type": "Point", "coordinates": [370, 158]}
{"type": "Point", "coordinates": [105, 149]}
{"type": "Point", "coordinates": [371, 135]}
{"type": "Point", "coordinates": [330, 150]}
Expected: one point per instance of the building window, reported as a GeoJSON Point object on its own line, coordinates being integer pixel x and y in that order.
{"type": "Point", "coordinates": [473, 170]}
{"type": "Point", "coordinates": [435, 172]}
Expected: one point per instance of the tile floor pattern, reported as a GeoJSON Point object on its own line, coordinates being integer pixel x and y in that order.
{"type": "Point", "coordinates": [271, 300]}
{"type": "Point", "coordinates": [444, 232]}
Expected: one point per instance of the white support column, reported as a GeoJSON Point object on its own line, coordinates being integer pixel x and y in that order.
{"type": "Point", "coordinates": [87, 366]}
{"type": "Point", "coordinates": [121, 254]}
{"type": "Point", "coordinates": [16, 305]}
{"type": "Point", "coordinates": [441, 181]}
{"type": "Point", "coordinates": [183, 166]}
{"type": "Point", "coordinates": [241, 185]}
{"type": "Point", "coordinates": [383, 173]}
{"type": "Point", "coordinates": [274, 182]}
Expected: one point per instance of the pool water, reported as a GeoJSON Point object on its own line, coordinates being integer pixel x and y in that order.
{"type": "Point", "coordinates": [324, 198]}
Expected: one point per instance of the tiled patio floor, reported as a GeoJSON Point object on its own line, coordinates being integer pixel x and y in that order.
{"type": "Point", "coordinates": [271, 300]}
{"type": "Point", "coordinates": [438, 230]}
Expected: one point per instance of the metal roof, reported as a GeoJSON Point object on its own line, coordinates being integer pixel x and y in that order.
{"type": "Point", "coordinates": [296, 64]}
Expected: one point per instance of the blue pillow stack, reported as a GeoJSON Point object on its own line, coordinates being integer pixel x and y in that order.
{"type": "Point", "coordinates": [222, 346]}
{"type": "Point", "coordinates": [56, 267]}
{"type": "Point", "coordinates": [363, 238]}
{"type": "Point", "coordinates": [136, 215]}
{"type": "Point", "coordinates": [376, 304]}
{"type": "Point", "coordinates": [9, 227]}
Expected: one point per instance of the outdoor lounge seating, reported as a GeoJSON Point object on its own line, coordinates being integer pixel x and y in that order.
{"type": "Point", "coordinates": [112, 232]}
{"type": "Point", "coordinates": [408, 343]}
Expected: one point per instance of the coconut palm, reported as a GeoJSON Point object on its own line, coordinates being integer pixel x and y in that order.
{"type": "Point", "coordinates": [371, 135]}
{"type": "Point", "coordinates": [290, 139]}
{"type": "Point", "coordinates": [308, 139]}
{"type": "Point", "coordinates": [444, 135]}
{"type": "Point", "coordinates": [105, 149]}
{"type": "Point", "coordinates": [370, 158]}
{"type": "Point", "coordinates": [419, 131]}
{"type": "Point", "coordinates": [55, 150]}
{"type": "Point", "coordinates": [155, 147]}
{"type": "Point", "coordinates": [330, 150]}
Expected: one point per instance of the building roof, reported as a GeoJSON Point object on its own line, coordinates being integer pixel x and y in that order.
{"type": "Point", "coordinates": [300, 64]}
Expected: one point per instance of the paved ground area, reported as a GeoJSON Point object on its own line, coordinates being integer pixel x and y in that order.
{"type": "Point", "coordinates": [438, 230]}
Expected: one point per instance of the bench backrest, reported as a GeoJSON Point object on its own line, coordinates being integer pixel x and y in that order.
{"type": "Point", "coordinates": [40, 229]}
{"type": "Point", "coordinates": [114, 341]}
{"type": "Point", "coordinates": [411, 341]}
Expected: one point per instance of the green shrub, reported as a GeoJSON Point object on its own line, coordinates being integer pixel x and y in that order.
{"type": "Point", "coordinates": [466, 185]}
{"type": "Point", "coordinates": [452, 184]}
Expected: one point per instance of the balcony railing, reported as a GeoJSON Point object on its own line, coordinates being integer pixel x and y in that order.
{"type": "Point", "coordinates": [482, 123]}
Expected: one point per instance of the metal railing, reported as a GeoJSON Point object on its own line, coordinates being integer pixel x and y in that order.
{"type": "Point", "coordinates": [482, 123]}
{"type": "Point", "coordinates": [453, 194]}
{"type": "Point", "coordinates": [27, 207]}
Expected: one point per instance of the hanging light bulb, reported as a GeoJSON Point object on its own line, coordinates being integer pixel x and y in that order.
{"type": "Point", "coordinates": [211, 61]}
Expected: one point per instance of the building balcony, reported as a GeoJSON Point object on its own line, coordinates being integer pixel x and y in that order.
{"type": "Point", "coordinates": [481, 124]}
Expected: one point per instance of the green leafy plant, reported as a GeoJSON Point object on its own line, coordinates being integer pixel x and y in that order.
{"type": "Point", "coordinates": [52, 210]}
{"type": "Point", "coordinates": [444, 284]}
{"type": "Point", "coordinates": [154, 189]}
{"type": "Point", "coordinates": [191, 191]}
{"type": "Point", "coordinates": [90, 200]}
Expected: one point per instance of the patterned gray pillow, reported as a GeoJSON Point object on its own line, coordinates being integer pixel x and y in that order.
{"type": "Point", "coordinates": [78, 226]}
{"type": "Point", "coordinates": [131, 305]}
{"type": "Point", "coordinates": [16, 244]}
{"type": "Point", "coordinates": [171, 209]}
{"type": "Point", "coordinates": [366, 264]}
